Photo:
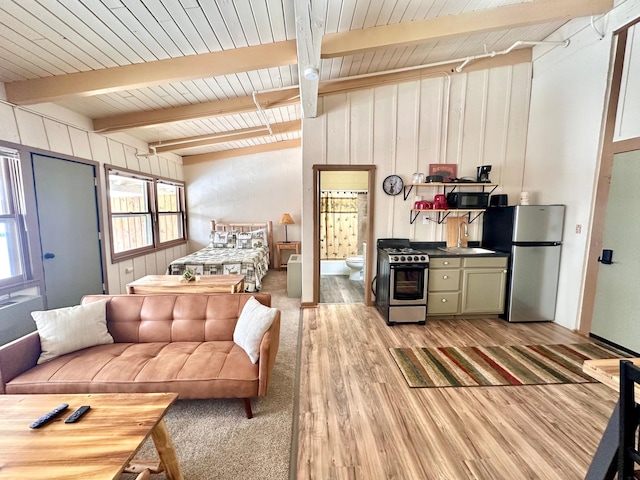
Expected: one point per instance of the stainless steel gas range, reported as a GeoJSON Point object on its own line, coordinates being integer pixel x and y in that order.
{"type": "Point", "coordinates": [401, 282]}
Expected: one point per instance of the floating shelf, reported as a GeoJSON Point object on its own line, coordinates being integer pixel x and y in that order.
{"type": "Point", "coordinates": [452, 186]}
{"type": "Point", "coordinates": [442, 214]}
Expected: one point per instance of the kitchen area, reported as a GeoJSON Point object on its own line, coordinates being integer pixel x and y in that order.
{"type": "Point", "coordinates": [511, 271]}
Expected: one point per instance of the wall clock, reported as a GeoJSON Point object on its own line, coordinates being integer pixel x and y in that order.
{"type": "Point", "coordinates": [392, 185]}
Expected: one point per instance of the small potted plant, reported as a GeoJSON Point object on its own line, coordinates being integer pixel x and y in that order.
{"type": "Point", "coordinates": [189, 274]}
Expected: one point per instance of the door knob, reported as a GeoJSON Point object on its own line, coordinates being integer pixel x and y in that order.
{"type": "Point", "coordinates": [48, 255]}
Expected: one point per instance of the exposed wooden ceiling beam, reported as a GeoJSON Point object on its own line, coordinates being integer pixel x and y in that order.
{"type": "Point", "coordinates": [222, 137]}
{"type": "Point", "coordinates": [522, 55]}
{"type": "Point", "coordinates": [430, 29]}
{"type": "Point", "coordinates": [310, 17]}
{"type": "Point", "coordinates": [289, 96]}
{"type": "Point", "coordinates": [231, 106]}
{"type": "Point", "coordinates": [241, 152]}
{"type": "Point", "coordinates": [96, 82]}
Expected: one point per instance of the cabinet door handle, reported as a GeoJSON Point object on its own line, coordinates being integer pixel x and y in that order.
{"type": "Point", "coordinates": [444, 277]}
{"type": "Point", "coordinates": [444, 300]}
{"type": "Point", "coordinates": [446, 263]}
{"type": "Point", "coordinates": [504, 271]}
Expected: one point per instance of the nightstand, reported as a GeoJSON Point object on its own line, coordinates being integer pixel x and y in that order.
{"type": "Point", "coordinates": [281, 263]}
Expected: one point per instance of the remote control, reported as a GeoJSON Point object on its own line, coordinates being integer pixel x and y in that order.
{"type": "Point", "coordinates": [47, 417]}
{"type": "Point", "coordinates": [75, 416]}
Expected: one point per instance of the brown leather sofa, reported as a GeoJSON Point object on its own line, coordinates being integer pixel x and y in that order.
{"type": "Point", "coordinates": [162, 343]}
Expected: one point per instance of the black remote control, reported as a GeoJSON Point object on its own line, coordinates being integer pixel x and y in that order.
{"type": "Point", "coordinates": [75, 416]}
{"type": "Point", "coordinates": [47, 417]}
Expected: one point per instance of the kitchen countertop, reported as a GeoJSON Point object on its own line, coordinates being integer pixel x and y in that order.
{"type": "Point", "coordinates": [431, 249]}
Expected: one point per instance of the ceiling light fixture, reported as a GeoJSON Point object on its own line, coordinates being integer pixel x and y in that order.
{"type": "Point", "coordinates": [311, 73]}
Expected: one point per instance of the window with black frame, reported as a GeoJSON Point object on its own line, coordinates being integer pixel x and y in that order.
{"type": "Point", "coordinates": [145, 212]}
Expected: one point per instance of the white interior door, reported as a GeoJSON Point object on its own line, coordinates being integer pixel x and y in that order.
{"type": "Point", "coordinates": [615, 315]}
{"type": "Point", "coordinates": [67, 208]}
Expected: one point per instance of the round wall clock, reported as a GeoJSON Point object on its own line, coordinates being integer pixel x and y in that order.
{"type": "Point", "coordinates": [392, 185]}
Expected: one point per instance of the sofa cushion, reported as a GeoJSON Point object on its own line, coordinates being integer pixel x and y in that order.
{"type": "Point", "coordinates": [68, 329]}
{"type": "Point", "coordinates": [255, 319]}
{"type": "Point", "coordinates": [217, 369]}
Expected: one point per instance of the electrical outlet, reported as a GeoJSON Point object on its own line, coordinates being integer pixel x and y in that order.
{"type": "Point", "coordinates": [578, 228]}
{"type": "Point", "coordinates": [425, 220]}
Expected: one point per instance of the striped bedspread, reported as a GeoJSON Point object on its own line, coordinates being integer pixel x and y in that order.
{"type": "Point", "coordinates": [252, 263]}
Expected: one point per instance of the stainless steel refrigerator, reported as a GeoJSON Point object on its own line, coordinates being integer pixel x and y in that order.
{"type": "Point", "coordinates": [532, 235]}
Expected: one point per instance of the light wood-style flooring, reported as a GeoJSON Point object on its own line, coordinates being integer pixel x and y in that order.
{"type": "Point", "coordinates": [339, 289]}
{"type": "Point", "coordinates": [358, 419]}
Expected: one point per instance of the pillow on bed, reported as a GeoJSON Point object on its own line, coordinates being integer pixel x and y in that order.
{"type": "Point", "coordinates": [258, 238]}
{"type": "Point", "coordinates": [243, 240]}
{"type": "Point", "coordinates": [222, 240]}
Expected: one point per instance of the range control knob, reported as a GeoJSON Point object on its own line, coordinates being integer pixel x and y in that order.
{"type": "Point", "coordinates": [395, 259]}
{"type": "Point", "coordinates": [423, 258]}
{"type": "Point", "coordinates": [402, 259]}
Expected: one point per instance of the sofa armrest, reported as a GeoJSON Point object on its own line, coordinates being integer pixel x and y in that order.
{"type": "Point", "coordinates": [268, 352]}
{"type": "Point", "coordinates": [17, 357]}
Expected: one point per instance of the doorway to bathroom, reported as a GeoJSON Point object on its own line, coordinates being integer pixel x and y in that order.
{"type": "Point", "coordinates": [342, 224]}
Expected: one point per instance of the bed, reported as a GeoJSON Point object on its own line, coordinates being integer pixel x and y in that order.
{"type": "Point", "coordinates": [234, 248]}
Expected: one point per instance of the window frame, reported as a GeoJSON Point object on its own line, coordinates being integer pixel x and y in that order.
{"type": "Point", "coordinates": [152, 182]}
{"type": "Point", "coordinates": [17, 216]}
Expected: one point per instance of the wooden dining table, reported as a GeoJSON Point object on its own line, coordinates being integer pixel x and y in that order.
{"type": "Point", "coordinates": [604, 465]}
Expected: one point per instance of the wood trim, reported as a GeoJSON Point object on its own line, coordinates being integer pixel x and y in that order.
{"type": "Point", "coordinates": [450, 26]}
{"type": "Point", "coordinates": [127, 77]}
{"type": "Point", "coordinates": [602, 187]}
{"type": "Point", "coordinates": [371, 169]}
{"type": "Point", "coordinates": [241, 152]}
{"type": "Point", "coordinates": [222, 137]}
{"type": "Point", "coordinates": [117, 123]}
{"type": "Point", "coordinates": [627, 145]}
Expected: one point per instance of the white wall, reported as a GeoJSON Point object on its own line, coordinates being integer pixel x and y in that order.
{"type": "Point", "coordinates": [564, 140]}
{"type": "Point", "coordinates": [254, 188]}
{"type": "Point", "coordinates": [55, 129]}
{"type": "Point", "coordinates": [469, 119]}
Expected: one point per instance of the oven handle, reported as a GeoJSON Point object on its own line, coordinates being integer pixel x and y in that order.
{"type": "Point", "coordinates": [374, 282]}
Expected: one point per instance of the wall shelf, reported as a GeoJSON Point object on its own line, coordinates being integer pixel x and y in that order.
{"type": "Point", "coordinates": [442, 214]}
{"type": "Point", "coordinates": [452, 186]}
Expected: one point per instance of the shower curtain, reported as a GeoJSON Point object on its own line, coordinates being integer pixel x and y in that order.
{"type": "Point", "coordinates": [342, 223]}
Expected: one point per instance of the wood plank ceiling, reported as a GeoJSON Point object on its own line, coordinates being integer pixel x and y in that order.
{"type": "Point", "coordinates": [209, 79]}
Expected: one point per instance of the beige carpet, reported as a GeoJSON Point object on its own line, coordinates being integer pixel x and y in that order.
{"type": "Point", "coordinates": [214, 439]}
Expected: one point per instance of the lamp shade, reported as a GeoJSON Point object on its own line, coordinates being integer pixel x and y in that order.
{"type": "Point", "coordinates": [286, 219]}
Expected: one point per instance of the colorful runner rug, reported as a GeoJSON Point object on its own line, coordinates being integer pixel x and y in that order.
{"type": "Point", "coordinates": [501, 365]}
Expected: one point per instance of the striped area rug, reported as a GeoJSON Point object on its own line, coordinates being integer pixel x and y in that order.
{"type": "Point", "coordinates": [498, 365]}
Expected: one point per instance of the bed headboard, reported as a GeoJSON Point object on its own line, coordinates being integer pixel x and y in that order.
{"type": "Point", "coordinates": [247, 227]}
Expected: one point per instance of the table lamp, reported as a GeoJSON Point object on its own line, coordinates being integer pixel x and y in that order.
{"type": "Point", "coordinates": [285, 220]}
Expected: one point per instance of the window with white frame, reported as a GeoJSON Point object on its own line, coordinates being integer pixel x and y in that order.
{"type": "Point", "coordinates": [14, 266]}
{"type": "Point", "coordinates": [146, 213]}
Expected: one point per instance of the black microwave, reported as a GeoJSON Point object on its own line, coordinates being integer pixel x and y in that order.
{"type": "Point", "coordinates": [468, 200]}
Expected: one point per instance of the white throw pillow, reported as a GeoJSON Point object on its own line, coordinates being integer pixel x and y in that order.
{"type": "Point", "coordinates": [254, 321]}
{"type": "Point", "coordinates": [68, 329]}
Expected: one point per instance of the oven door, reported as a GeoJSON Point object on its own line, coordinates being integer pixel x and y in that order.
{"type": "Point", "coordinates": [408, 284]}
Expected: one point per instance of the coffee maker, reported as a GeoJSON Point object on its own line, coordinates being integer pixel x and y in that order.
{"type": "Point", "coordinates": [483, 174]}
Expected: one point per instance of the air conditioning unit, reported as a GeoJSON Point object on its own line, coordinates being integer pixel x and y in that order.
{"type": "Point", "coordinates": [15, 316]}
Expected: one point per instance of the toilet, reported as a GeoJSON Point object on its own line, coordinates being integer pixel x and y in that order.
{"type": "Point", "coordinates": [356, 264]}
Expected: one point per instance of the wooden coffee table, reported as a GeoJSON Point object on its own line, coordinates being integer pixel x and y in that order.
{"type": "Point", "coordinates": [176, 284]}
{"type": "Point", "coordinates": [99, 446]}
